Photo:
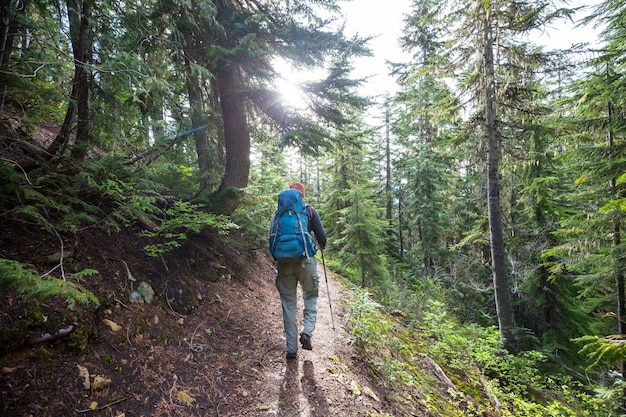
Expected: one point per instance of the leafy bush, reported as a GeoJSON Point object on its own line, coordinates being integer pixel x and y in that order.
{"type": "Point", "coordinates": [180, 219]}
{"type": "Point", "coordinates": [486, 378]}
{"type": "Point", "coordinates": [30, 284]}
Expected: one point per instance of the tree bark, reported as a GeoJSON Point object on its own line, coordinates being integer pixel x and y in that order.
{"type": "Point", "coordinates": [236, 133]}
{"type": "Point", "coordinates": [79, 12]}
{"type": "Point", "coordinates": [9, 27]}
{"type": "Point", "coordinates": [389, 200]}
{"type": "Point", "coordinates": [194, 93]}
{"type": "Point", "coordinates": [617, 240]}
{"type": "Point", "coordinates": [504, 306]}
{"type": "Point", "coordinates": [79, 17]}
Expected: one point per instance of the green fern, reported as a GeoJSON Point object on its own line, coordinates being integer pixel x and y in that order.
{"type": "Point", "coordinates": [181, 219]}
{"type": "Point", "coordinates": [31, 285]}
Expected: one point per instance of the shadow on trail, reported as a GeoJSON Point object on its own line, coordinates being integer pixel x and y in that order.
{"type": "Point", "coordinates": [314, 394]}
{"type": "Point", "coordinates": [288, 398]}
{"type": "Point", "coordinates": [290, 389]}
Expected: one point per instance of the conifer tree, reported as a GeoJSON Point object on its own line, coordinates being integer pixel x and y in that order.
{"type": "Point", "coordinates": [479, 47]}
{"type": "Point", "coordinates": [592, 248]}
{"type": "Point", "coordinates": [426, 109]}
{"type": "Point", "coordinates": [243, 40]}
{"type": "Point", "coordinates": [356, 223]}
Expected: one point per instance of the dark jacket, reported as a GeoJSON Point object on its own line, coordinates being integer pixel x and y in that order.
{"type": "Point", "coordinates": [315, 225]}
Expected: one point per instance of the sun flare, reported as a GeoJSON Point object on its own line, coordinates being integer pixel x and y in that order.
{"type": "Point", "coordinates": [291, 94]}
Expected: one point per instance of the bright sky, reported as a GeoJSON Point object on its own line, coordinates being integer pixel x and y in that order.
{"type": "Point", "coordinates": [368, 18]}
{"type": "Point", "coordinates": [384, 20]}
{"type": "Point", "coordinates": [563, 34]}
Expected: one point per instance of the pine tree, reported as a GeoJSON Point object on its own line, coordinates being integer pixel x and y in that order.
{"type": "Point", "coordinates": [426, 108]}
{"type": "Point", "coordinates": [479, 46]}
{"type": "Point", "coordinates": [592, 245]}
{"type": "Point", "coordinates": [356, 224]}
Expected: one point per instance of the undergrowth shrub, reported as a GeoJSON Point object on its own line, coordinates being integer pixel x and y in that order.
{"type": "Point", "coordinates": [487, 379]}
{"type": "Point", "coordinates": [103, 192]}
{"type": "Point", "coordinates": [180, 219]}
{"type": "Point", "coordinates": [122, 196]}
{"type": "Point", "coordinates": [100, 192]}
{"type": "Point", "coordinates": [254, 216]}
{"type": "Point", "coordinates": [31, 284]}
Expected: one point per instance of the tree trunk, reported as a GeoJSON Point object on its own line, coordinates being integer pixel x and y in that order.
{"type": "Point", "coordinates": [194, 93]}
{"type": "Point", "coordinates": [388, 214]}
{"type": "Point", "coordinates": [62, 138]}
{"type": "Point", "coordinates": [6, 43]}
{"type": "Point", "coordinates": [9, 27]}
{"type": "Point", "coordinates": [362, 265]}
{"type": "Point", "coordinates": [401, 221]}
{"type": "Point", "coordinates": [504, 306]}
{"type": "Point", "coordinates": [617, 240]}
{"type": "Point", "coordinates": [236, 133]}
{"type": "Point", "coordinates": [79, 17]}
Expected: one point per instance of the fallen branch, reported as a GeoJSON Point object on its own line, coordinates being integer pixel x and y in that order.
{"type": "Point", "coordinates": [195, 347]}
{"type": "Point", "coordinates": [20, 167]}
{"type": "Point", "coordinates": [227, 316]}
{"type": "Point", "coordinates": [47, 337]}
{"type": "Point", "coordinates": [167, 299]}
{"type": "Point", "coordinates": [60, 256]}
{"type": "Point", "coordinates": [171, 390]}
{"type": "Point", "coordinates": [104, 407]}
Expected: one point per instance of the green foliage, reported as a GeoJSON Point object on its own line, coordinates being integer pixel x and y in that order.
{"type": "Point", "coordinates": [126, 196]}
{"type": "Point", "coordinates": [562, 218]}
{"type": "Point", "coordinates": [50, 198]}
{"type": "Point", "coordinates": [254, 215]}
{"type": "Point", "coordinates": [180, 219]}
{"type": "Point", "coordinates": [177, 178]}
{"type": "Point", "coordinates": [608, 350]}
{"type": "Point", "coordinates": [104, 192]}
{"type": "Point", "coordinates": [485, 378]}
{"type": "Point", "coordinates": [358, 229]}
{"type": "Point", "coordinates": [30, 284]}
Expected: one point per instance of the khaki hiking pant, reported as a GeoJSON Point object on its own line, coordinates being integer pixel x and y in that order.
{"type": "Point", "coordinates": [290, 273]}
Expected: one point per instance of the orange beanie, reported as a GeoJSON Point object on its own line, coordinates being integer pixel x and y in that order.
{"type": "Point", "coordinates": [298, 186]}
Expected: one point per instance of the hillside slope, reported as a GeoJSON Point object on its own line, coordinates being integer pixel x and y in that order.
{"type": "Point", "coordinates": [210, 344]}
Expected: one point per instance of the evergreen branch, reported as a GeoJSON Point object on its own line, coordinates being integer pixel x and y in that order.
{"type": "Point", "coordinates": [28, 282]}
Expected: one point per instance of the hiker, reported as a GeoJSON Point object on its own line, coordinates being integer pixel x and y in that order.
{"type": "Point", "coordinates": [294, 251]}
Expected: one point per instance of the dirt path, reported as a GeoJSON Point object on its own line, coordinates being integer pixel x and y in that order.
{"type": "Point", "coordinates": [212, 345]}
{"type": "Point", "coordinates": [327, 381]}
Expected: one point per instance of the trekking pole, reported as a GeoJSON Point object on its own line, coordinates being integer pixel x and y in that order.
{"type": "Point", "coordinates": [328, 291]}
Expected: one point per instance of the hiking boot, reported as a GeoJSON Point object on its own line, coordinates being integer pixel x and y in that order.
{"type": "Point", "coordinates": [305, 339]}
{"type": "Point", "coordinates": [292, 355]}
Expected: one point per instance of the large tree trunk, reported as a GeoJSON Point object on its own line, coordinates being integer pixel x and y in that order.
{"type": "Point", "coordinates": [388, 195]}
{"type": "Point", "coordinates": [194, 93]}
{"type": "Point", "coordinates": [236, 133]}
{"type": "Point", "coordinates": [196, 102]}
{"type": "Point", "coordinates": [79, 14]}
{"type": "Point", "coordinates": [504, 306]}
{"type": "Point", "coordinates": [79, 17]}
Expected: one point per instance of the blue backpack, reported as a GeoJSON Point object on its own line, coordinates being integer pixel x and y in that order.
{"type": "Point", "coordinates": [289, 233]}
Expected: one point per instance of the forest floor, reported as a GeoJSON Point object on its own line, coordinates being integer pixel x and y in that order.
{"type": "Point", "coordinates": [210, 344]}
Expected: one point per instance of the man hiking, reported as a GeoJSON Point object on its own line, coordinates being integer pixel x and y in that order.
{"type": "Point", "coordinates": [293, 249]}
